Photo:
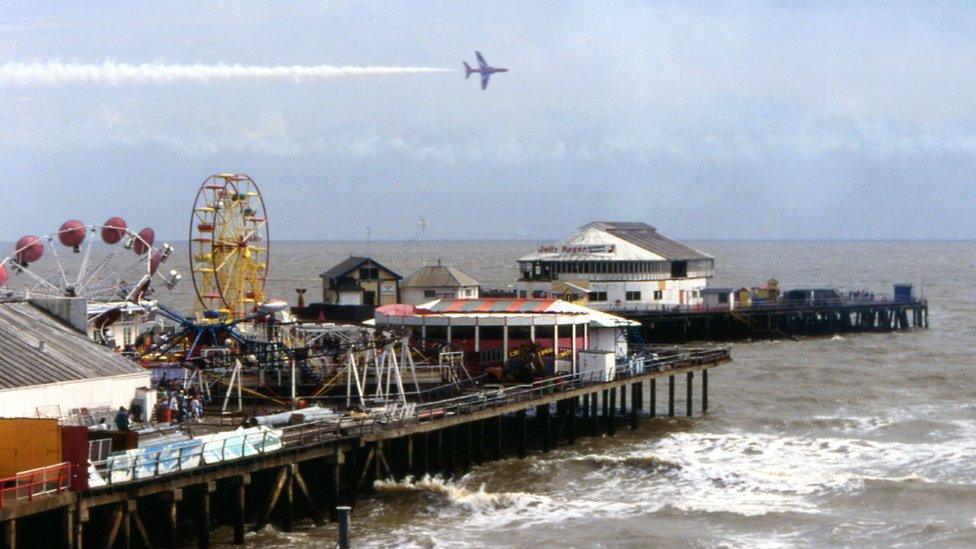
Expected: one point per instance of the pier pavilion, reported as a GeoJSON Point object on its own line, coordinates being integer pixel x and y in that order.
{"type": "Point", "coordinates": [610, 264]}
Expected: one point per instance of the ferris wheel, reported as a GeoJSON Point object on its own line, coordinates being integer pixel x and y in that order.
{"type": "Point", "coordinates": [107, 263]}
{"type": "Point", "coordinates": [229, 245]}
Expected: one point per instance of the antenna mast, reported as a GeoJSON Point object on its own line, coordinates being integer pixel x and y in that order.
{"type": "Point", "coordinates": [423, 232]}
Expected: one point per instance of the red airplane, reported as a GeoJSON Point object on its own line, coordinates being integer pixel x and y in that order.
{"type": "Point", "coordinates": [484, 69]}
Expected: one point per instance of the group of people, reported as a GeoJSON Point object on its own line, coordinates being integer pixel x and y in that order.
{"type": "Point", "coordinates": [182, 405]}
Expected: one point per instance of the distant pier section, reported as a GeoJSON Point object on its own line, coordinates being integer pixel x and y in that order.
{"type": "Point", "coordinates": [631, 270]}
{"type": "Point", "coordinates": [784, 319]}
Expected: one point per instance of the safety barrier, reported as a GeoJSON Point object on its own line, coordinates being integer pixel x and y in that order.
{"type": "Point", "coordinates": [31, 484]}
{"type": "Point", "coordinates": [231, 445]}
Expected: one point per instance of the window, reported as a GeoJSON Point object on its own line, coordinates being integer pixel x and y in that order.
{"type": "Point", "coordinates": [633, 296]}
{"type": "Point", "coordinates": [658, 294]}
{"type": "Point", "coordinates": [723, 298]}
{"type": "Point", "coordinates": [679, 269]}
{"type": "Point", "coordinates": [369, 273]}
{"type": "Point", "coordinates": [430, 293]}
{"type": "Point", "coordinates": [598, 296]}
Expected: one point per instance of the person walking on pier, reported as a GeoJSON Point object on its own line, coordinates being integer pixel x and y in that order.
{"type": "Point", "coordinates": [122, 419]}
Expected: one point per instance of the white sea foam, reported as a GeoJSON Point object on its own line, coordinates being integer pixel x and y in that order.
{"type": "Point", "coordinates": [54, 73]}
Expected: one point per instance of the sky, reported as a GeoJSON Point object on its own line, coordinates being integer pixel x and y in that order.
{"type": "Point", "coordinates": [741, 120]}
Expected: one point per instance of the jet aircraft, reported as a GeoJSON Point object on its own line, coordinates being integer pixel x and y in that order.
{"type": "Point", "coordinates": [484, 69]}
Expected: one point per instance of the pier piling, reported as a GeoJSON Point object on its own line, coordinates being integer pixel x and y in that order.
{"type": "Point", "coordinates": [343, 514]}
{"type": "Point", "coordinates": [523, 439]}
{"type": "Point", "coordinates": [670, 396]}
{"type": "Point", "coordinates": [653, 404]}
{"type": "Point", "coordinates": [704, 391]}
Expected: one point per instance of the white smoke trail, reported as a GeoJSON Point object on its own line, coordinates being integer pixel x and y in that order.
{"type": "Point", "coordinates": [54, 73]}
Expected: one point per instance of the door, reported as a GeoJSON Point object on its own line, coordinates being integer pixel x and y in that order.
{"type": "Point", "coordinates": [369, 298]}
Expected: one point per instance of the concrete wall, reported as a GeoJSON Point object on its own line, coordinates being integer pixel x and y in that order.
{"type": "Point", "coordinates": [109, 391]}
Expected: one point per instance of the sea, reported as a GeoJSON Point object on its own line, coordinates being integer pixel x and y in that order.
{"type": "Point", "coordinates": [853, 440]}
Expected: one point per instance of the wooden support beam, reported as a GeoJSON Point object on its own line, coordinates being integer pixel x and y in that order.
{"type": "Point", "coordinates": [365, 474]}
{"type": "Point", "coordinates": [623, 400]}
{"type": "Point", "coordinates": [313, 508]}
{"type": "Point", "coordinates": [288, 514]}
{"type": "Point", "coordinates": [333, 483]}
{"type": "Point", "coordinates": [381, 464]}
{"type": "Point", "coordinates": [140, 527]}
{"type": "Point", "coordinates": [239, 486]}
{"type": "Point", "coordinates": [410, 454]}
{"type": "Point", "coordinates": [612, 418]}
{"type": "Point", "coordinates": [81, 517]}
{"type": "Point", "coordinates": [68, 527]}
{"type": "Point", "coordinates": [172, 499]}
{"type": "Point", "coordinates": [10, 534]}
{"type": "Point", "coordinates": [116, 523]}
{"type": "Point", "coordinates": [203, 513]}
{"type": "Point", "coordinates": [689, 410]}
{"type": "Point", "coordinates": [279, 484]}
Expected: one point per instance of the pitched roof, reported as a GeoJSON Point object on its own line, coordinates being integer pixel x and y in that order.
{"type": "Point", "coordinates": [439, 276]}
{"type": "Point", "coordinates": [68, 355]}
{"type": "Point", "coordinates": [352, 263]}
{"type": "Point", "coordinates": [647, 237]}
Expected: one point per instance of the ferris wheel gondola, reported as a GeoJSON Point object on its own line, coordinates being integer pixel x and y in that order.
{"type": "Point", "coordinates": [117, 267]}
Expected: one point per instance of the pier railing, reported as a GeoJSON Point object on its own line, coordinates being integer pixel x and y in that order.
{"type": "Point", "coordinates": [127, 468]}
{"type": "Point", "coordinates": [29, 485]}
{"type": "Point", "coordinates": [763, 306]}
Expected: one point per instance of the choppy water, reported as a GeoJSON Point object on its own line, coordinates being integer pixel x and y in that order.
{"type": "Point", "coordinates": [854, 440]}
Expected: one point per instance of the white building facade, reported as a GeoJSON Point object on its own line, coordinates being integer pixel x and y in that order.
{"type": "Point", "coordinates": [50, 369]}
{"type": "Point", "coordinates": [617, 265]}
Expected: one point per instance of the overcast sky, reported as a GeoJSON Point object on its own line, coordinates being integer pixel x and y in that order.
{"type": "Point", "coordinates": [717, 120]}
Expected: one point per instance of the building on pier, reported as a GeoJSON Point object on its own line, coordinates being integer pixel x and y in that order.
{"type": "Point", "coordinates": [360, 281]}
{"type": "Point", "coordinates": [617, 265]}
{"type": "Point", "coordinates": [438, 282]}
{"type": "Point", "coordinates": [490, 330]}
{"type": "Point", "coordinates": [48, 368]}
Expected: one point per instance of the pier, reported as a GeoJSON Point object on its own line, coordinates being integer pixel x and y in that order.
{"type": "Point", "coordinates": [782, 320]}
{"type": "Point", "coordinates": [320, 466]}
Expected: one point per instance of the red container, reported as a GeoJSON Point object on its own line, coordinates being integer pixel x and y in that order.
{"type": "Point", "coordinates": [165, 414]}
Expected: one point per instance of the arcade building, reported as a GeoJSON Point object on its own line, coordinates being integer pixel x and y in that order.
{"type": "Point", "coordinates": [612, 265]}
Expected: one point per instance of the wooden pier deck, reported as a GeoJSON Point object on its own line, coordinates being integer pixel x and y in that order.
{"type": "Point", "coordinates": [321, 466]}
{"type": "Point", "coordinates": [778, 321]}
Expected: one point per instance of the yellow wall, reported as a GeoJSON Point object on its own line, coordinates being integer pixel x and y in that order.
{"type": "Point", "coordinates": [28, 444]}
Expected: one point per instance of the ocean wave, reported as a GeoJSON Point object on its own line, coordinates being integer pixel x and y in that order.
{"type": "Point", "coordinates": [475, 500]}
{"type": "Point", "coordinates": [646, 463]}
{"type": "Point", "coordinates": [511, 509]}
